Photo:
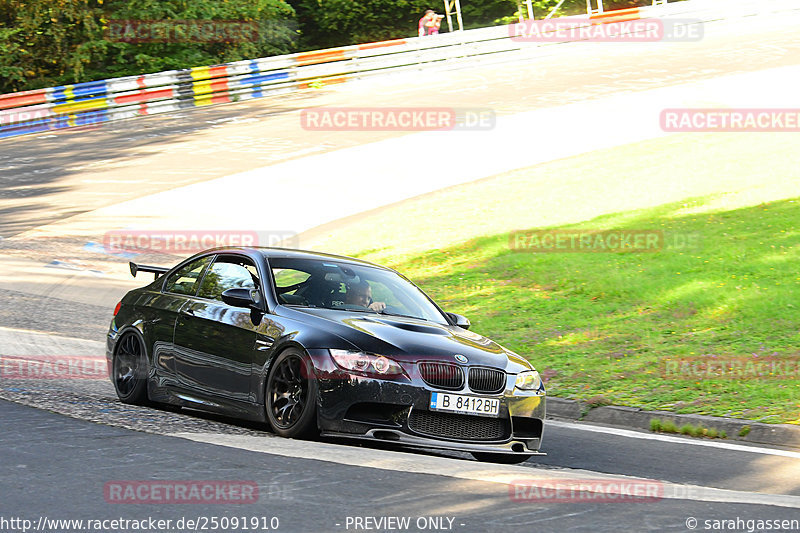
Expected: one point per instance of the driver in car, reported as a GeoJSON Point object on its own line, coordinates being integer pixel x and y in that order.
{"type": "Point", "coordinates": [360, 293]}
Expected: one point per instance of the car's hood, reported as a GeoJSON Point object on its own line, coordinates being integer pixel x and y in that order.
{"type": "Point", "coordinates": [412, 340]}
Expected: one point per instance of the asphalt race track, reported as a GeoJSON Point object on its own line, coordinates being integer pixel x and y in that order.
{"type": "Point", "coordinates": [64, 464]}
{"type": "Point", "coordinates": [64, 442]}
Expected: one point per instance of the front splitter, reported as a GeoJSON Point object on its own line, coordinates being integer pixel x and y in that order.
{"type": "Point", "coordinates": [404, 439]}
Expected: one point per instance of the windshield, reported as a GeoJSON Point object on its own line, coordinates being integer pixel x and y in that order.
{"type": "Point", "coordinates": [346, 287]}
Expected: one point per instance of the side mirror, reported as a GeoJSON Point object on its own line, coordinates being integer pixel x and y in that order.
{"type": "Point", "coordinates": [247, 298]}
{"type": "Point", "coordinates": [460, 320]}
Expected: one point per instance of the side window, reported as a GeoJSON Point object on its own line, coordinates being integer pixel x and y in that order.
{"type": "Point", "coordinates": [186, 279]}
{"type": "Point", "coordinates": [228, 272]}
{"type": "Point", "coordinates": [286, 278]}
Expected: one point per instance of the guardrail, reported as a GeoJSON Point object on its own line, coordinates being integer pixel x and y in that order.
{"type": "Point", "coordinates": [95, 102]}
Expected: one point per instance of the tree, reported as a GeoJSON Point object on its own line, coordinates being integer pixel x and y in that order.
{"type": "Point", "coordinates": [52, 42]}
{"type": "Point", "coordinates": [43, 42]}
{"type": "Point", "coordinates": [274, 19]}
{"type": "Point", "coordinates": [331, 23]}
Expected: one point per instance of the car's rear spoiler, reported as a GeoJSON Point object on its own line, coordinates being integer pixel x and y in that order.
{"type": "Point", "coordinates": [146, 268]}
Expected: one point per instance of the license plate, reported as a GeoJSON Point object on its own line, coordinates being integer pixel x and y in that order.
{"type": "Point", "coordinates": [458, 403]}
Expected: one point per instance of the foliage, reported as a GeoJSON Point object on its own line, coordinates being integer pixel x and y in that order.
{"type": "Point", "coordinates": [331, 23]}
{"type": "Point", "coordinates": [541, 8]}
{"type": "Point", "coordinates": [669, 427]}
{"type": "Point", "coordinates": [45, 41]}
{"type": "Point", "coordinates": [50, 42]}
{"type": "Point", "coordinates": [273, 17]}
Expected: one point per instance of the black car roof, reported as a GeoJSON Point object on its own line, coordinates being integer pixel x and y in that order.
{"type": "Point", "coordinates": [296, 254]}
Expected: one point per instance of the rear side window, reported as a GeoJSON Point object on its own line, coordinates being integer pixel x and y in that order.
{"type": "Point", "coordinates": [186, 279]}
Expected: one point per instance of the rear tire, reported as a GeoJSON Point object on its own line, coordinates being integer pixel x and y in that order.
{"type": "Point", "coordinates": [129, 370]}
{"type": "Point", "coordinates": [290, 397]}
{"type": "Point", "coordinates": [501, 458]}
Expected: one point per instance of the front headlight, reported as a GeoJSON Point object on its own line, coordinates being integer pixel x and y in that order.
{"type": "Point", "coordinates": [364, 363]}
{"type": "Point", "coordinates": [529, 380]}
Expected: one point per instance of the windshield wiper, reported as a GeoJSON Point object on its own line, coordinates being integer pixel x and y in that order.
{"type": "Point", "coordinates": [400, 314]}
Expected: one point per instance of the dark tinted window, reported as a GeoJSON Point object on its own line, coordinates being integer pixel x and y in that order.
{"type": "Point", "coordinates": [186, 279]}
{"type": "Point", "coordinates": [331, 284]}
{"type": "Point", "coordinates": [228, 272]}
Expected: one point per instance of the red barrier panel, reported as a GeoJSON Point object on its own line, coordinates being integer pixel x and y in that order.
{"type": "Point", "coordinates": [619, 15]}
{"type": "Point", "coordinates": [381, 44]}
{"type": "Point", "coordinates": [310, 58]}
{"type": "Point", "coordinates": [22, 99]}
{"type": "Point", "coordinates": [143, 96]}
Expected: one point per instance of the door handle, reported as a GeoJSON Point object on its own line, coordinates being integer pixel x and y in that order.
{"type": "Point", "coordinates": [189, 312]}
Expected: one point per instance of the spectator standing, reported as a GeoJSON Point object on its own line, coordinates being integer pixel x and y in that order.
{"type": "Point", "coordinates": [429, 23]}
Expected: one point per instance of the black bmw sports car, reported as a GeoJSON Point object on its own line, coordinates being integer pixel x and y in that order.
{"type": "Point", "coordinates": [317, 344]}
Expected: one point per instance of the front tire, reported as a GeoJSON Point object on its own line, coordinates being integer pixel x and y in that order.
{"type": "Point", "coordinates": [290, 397]}
{"type": "Point", "coordinates": [129, 370]}
{"type": "Point", "coordinates": [501, 458]}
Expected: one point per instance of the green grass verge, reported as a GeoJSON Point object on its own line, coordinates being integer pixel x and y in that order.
{"type": "Point", "coordinates": [659, 426]}
{"type": "Point", "coordinates": [604, 326]}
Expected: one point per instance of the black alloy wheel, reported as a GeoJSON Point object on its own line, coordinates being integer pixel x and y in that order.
{"type": "Point", "coordinates": [129, 370]}
{"type": "Point", "coordinates": [291, 396]}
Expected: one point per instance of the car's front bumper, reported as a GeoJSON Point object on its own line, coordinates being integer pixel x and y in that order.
{"type": "Point", "coordinates": [360, 407]}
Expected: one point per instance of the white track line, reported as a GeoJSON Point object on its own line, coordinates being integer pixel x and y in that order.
{"type": "Point", "coordinates": [396, 461]}
{"type": "Point", "coordinates": [677, 440]}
